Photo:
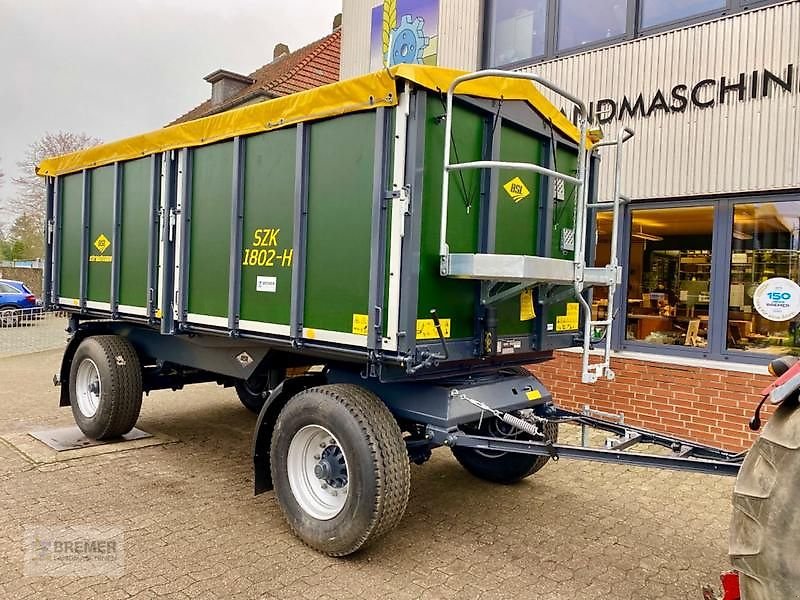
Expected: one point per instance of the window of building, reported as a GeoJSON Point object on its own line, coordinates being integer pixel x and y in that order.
{"type": "Point", "coordinates": [520, 29]}
{"type": "Point", "coordinates": [662, 12]}
{"type": "Point", "coordinates": [669, 276]}
{"type": "Point", "coordinates": [581, 22]}
{"type": "Point", "coordinates": [765, 243]}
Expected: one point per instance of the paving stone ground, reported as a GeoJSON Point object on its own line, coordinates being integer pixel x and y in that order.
{"type": "Point", "coordinates": [193, 529]}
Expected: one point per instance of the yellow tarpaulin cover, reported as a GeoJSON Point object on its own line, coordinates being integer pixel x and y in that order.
{"type": "Point", "coordinates": [362, 93]}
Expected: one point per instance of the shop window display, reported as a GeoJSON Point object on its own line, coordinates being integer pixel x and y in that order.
{"type": "Point", "coordinates": [669, 276]}
{"type": "Point", "coordinates": [765, 244]}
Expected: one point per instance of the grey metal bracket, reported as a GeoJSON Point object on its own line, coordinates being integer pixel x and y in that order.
{"type": "Point", "coordinates": [488, 298]}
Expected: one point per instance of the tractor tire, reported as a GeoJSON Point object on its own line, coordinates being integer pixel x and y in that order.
{"type": "Point", "coordinates": [765, 526]}
{"type": "Point", "coordinates": [340, 468]}
{"type": "Point", "coordinates": [105, 386]}
{"type": "Point", "coordinates": [503, 467]}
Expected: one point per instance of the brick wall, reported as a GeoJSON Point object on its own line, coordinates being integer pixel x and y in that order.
{"type": "Point", "coordinates": [699, 404]}
{"type": "Point", "coordinates": [30, 277]}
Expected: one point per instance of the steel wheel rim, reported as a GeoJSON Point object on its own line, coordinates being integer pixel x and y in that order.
{"type": "Point", "coordinates": [317, 472]}
{"type": "Point", "coordinates": [88, 388]}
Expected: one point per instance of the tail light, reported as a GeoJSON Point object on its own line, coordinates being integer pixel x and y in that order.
{"type": "Point", "coordinates": [31, 298]}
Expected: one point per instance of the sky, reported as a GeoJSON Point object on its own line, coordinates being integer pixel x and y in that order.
{"type": "Point", "coordinates": [115, 68]}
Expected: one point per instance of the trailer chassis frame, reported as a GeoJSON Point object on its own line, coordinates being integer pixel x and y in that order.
{"type": "Point", "coordinates": [685, 455]}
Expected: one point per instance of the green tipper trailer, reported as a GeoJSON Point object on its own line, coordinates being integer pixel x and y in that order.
{"type": "Point", "coordinates": [369, 264]}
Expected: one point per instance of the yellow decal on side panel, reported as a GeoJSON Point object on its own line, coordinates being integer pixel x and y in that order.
{"type": "Point", "coordinates": [102, 243]}
{"type": "Point", "coordinates": [533, 395]}
{"type": "Point", "coordinates": [568, 322]}
{"type": "Point", "coordinates": [526, 310]}
{"type": "Point", "coordinates": [517, 190]}
{"type": "Point", "coordinates": [426, 330]}
{"type": "Point", "coordinates": [360, 324]}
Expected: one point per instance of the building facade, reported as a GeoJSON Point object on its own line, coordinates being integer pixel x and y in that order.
{"type": "Point", "coordinates": [712, 89]}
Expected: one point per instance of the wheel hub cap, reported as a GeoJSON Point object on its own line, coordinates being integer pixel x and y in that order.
{"type": "Point", "coordinates": [317, 472]}
{"type": "Point", "coordinates": [88, 389]}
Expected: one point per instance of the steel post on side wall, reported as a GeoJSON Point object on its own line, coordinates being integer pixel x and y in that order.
{"type": "Point", "coordinates": [116, 238]}
{"type": "Point", "coordinates": [56, 260]}
{"type": "Point", "coordinates": [377, 259]}
{"type": "Point", "coordinates": [299, 235]}
{"type": "Point", "coordinates": [494, 178]}
{"type": "Point", "coordinates": [409, 270]}
{"type": "Point", "coordinates": [545, 245]}
{"type": "Point", "coordinates": [152, 239]}
{"type": "Point", "coordinates": [167, 249]}
{"type": "Point", "coordinates": [47, 268]}
{"type": "Point", "coordinates": [237, 222]}
{"type": "Point", "coordinates": [85, 216]}
{"type": "Point", "coordinates": [183, 237]}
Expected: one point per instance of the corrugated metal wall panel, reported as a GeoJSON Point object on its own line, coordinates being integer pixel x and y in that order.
{"type": "Point", "coordinates": [460, 33]}
{"type": "Point", "coordinates": [738, 146]}
{"type": "Point", "coordinates": [356, 26]}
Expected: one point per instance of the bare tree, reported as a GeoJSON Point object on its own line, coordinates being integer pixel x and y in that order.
{"type": "Point", "coordinates": [30, 198]}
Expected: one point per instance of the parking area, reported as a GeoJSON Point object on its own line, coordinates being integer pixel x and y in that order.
{"type": "Point", "coordinates": [193, 529]}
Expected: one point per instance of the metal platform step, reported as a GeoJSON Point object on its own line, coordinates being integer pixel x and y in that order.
{"type": "Point", "coordinates": [513, 268]}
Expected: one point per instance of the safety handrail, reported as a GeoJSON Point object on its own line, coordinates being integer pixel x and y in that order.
{"type": "Point", "coordinates": [579, 181]}
{"type": "Point", "coordinates": [587, 376]}
{"type": "Point", "coordinates": [590, 373]}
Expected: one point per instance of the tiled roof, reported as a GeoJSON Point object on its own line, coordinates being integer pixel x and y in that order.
{"type": "Point", "coordinates": [311, 66]}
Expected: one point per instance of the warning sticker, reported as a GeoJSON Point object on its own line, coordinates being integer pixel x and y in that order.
{"type": "Point", "coordinates": [102, 243]}
{"type": "Point", "coordinates": [360, 324]}
{"type": "Point", "coordinates": [526, 310]}
{"type": "Point", "coordinates": [517, 190]}
{"type": "Point", "coordinates": [426, 330]}
{"type": "Point", "coordinates": [533, 394]}
{"type": "Point", "coordinates": [568, 322]}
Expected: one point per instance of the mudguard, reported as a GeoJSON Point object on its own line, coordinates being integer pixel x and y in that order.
{"type": "Point", "coordinates": [262, 436]}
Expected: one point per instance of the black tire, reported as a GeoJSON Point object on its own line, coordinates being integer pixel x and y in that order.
{"type": "Point", "coordinates": [253, 392]}
{"type": "Point", "coordinates": [503, 467]}
{"type": "Point", "coordinates": [378, 476]}
{"type": "Point", "coordinates": [120, 386]}
{"type": "Point", "coordinates": [765, 526]}
{"type": "Point", "coordinates": [9, 316]}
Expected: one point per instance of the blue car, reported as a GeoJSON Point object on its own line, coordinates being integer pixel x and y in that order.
{"type": "Point", "coordinates": [16, 300]}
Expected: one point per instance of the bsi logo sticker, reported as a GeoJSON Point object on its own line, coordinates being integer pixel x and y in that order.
{"type": "Point", "coordinates": [517, 190]}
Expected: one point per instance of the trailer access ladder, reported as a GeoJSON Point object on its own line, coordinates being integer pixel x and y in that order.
{"type": "Point", "coordinates": [526, 272]}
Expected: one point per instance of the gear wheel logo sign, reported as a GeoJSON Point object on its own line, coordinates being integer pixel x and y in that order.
{"type": "Point", "coordinates": [408, 41]}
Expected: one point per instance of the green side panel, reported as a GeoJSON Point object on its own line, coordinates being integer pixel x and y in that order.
{"type": "Point", "coordinates": [134, 242]}
{"type": "Point", "coordinates": [517, 216]}
{"type": "Point", "coordinates": [267, 250]}
{"type": "Point", "coordinates": [70, 215]}
{"type": "Point", "coordinates": [563, 218]}
{"type": "Point", "coordinates": [210, 227]}
{"type": "Point", "coordinates": [454, 299]}
{"type": "Point", "coordinates": [339, 221]}
{"type": "Point", "coordinates": [101, 230]}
